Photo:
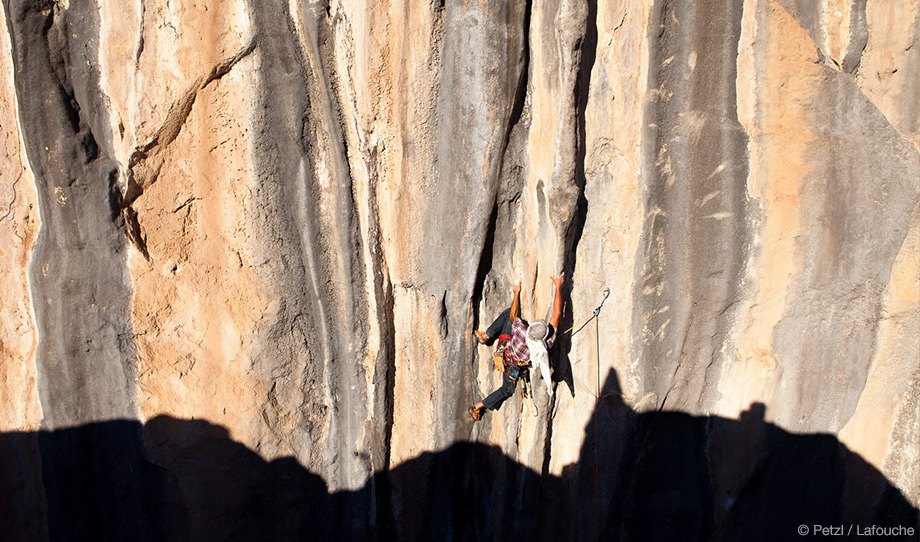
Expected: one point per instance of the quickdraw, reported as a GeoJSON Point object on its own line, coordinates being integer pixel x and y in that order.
{"type": "Point", "coordinates": [597, 312]}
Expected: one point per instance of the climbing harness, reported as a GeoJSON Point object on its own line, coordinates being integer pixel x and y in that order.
{"type": "Point", "coordinates": [503, 361]}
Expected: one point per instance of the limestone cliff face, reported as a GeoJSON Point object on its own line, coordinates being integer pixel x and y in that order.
{"type": "Point", "coordinates": [286, 218]}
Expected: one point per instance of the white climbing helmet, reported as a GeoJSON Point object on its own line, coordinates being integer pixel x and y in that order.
{"type": "Point", "coordinates": [538, 331]}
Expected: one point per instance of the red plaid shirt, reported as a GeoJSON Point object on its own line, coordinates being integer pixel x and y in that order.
{"type": "Point", "coordinates": [517, 346]}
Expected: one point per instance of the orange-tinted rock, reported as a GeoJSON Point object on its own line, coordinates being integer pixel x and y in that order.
{"type": "Point", "coordinates": [287, 219]}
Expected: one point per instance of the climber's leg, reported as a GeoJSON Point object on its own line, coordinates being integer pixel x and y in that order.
{"type": "Point", "coordinates": [501, 326]}
{"type": "Point", "coordinates": [497, 397]}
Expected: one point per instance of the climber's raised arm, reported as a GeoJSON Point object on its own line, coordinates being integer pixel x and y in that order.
{"type": "Point", "coordinates": [557, 301]}
{"type": "Point", "coordinates": [516, 303]}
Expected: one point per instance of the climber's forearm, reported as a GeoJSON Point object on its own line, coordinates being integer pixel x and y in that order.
{"type": "Point", "coordinates": [557, 301]}
{"type": "Point", "coordinates": [515, 306]}
{"type": "Point", "coordinates": [557, 308]}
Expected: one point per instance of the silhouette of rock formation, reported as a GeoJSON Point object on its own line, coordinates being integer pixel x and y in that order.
{"type": "Point", "coordinates": [660, 475]}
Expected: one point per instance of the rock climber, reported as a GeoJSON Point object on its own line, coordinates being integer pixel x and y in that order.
{"type": "Point", "coordinates": [524, 346]}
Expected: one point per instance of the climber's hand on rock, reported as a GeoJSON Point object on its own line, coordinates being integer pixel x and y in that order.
{"type": "Point", "coordinates": [557, 281]}
{"type": "Point", "coordinates": [517, 286]}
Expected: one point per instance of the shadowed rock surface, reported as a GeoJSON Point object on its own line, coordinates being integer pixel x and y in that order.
{"type": "Point", "coordinates": [661, 476]}
{"type": "Point", "coordinates": [287, 218]}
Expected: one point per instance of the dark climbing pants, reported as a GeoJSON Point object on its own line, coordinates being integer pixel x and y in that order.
{"type": "Point", "coordinates": [497, 397]}
{"type": "Point", "coordinates": [501, 326]}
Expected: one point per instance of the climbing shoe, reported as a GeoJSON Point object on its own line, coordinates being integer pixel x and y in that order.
{"type": "Point", "coordinates": [475, 413]}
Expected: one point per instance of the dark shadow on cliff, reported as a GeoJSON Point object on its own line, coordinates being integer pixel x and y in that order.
{"type": "Point", "coordinates": [659, 476]}
{"type": "Point", "coordinates": [562, 364]}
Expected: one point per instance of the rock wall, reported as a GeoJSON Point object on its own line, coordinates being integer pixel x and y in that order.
{"type": "Point", "coordinates": [286, 218]}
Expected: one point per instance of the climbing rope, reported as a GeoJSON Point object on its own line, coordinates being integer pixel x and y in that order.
{"type": "Point", "coordinates": [527, 393]}
{"type": "Point", "coordinates": [597, 394]}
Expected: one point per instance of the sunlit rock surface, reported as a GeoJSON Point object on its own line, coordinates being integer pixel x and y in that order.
{"type": "Point", "coordinates": [285, 219]}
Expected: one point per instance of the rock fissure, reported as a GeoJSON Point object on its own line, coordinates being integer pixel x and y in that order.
{"type": "Point", "coordinates": [9, 208]}
{"type": "Point", "coordinates": [141, 174]}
